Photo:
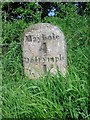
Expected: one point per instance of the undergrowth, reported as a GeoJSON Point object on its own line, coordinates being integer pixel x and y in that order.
{"type": "Point", "coordinates": [52, 96]}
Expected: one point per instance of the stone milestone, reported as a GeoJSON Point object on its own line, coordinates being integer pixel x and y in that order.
{"type": "Point", "coordinates": [44, 49]}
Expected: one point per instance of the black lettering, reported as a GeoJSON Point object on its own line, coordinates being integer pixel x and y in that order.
{"type": "Point", "coordinates": [36, 59]}
{"type": "Point", "coordinates": [49, 37]}
{"type": "Point", "coordinates": [34, 39]}
{"type": "Point", "coordinates": [30, 71]}
{"type": "Point", "coordinates": [26, 60]}
{"type": "Point", "coordinates": [48, 59]}
{"type": "Point", "coordinates": [29, 38]}
{"type": "Point", "coordinates": [57, 37]}
{"type": "Point", "coordinates": [52, 59]}
{"type": "Point", "coordinates": [32, 60]}
{"type": "Point", "coordinates": [56, 59]}
{"type": "Point", "coordinates": [39, 59]}
{"type": "Point", "coordinates": [44, 59]}
{"type": "Point", "coordinates": [44, 47]}
{"type": "Point", "coordinates": [44, 37]}
{"type": "Point", "coordinates": [44, 68]}
{"type": "Point", "coordinates": [53, 36]}
{"type": "Point", "coordinates": [60, 57]}
{"type": "Point", "coordinates": [38, 39]}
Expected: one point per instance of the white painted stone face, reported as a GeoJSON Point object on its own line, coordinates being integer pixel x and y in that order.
{"type": "Point", "coordinates": [44, 49]}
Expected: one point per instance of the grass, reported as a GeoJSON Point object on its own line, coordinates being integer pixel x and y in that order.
{"type": "Point", "coordinates": [55, 97]}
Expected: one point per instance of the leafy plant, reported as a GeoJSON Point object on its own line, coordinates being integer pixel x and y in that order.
{"type": "Point", "coordinates": [55, 97]}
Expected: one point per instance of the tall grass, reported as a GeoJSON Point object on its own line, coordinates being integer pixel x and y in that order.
{"type": "Point", "coordinates": [55, 97]}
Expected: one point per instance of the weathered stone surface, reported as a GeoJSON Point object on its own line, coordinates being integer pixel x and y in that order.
{"type": "Point", "coordinates": [44, 49]}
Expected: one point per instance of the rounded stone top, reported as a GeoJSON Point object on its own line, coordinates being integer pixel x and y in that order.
{"type": "Point", "coordinates": [44, 49]}
{"type": "Point", "coordinates": [40, 27]}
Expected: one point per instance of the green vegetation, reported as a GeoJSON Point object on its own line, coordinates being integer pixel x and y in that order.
{"type": "Point", "coordinates": [56, 97]}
